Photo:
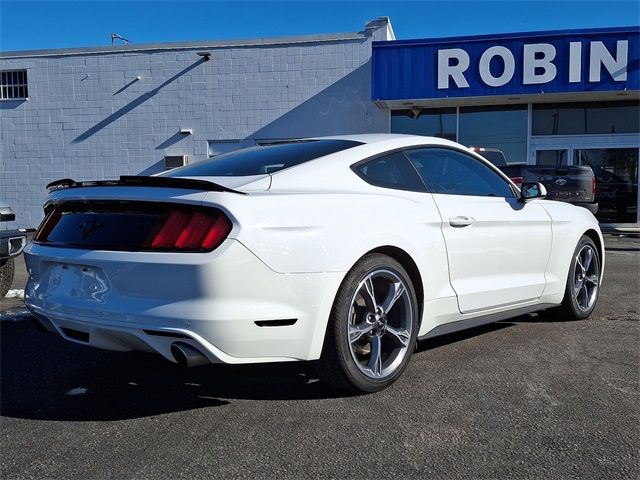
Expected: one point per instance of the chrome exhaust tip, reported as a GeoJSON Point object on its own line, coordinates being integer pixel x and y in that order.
{"type": "Point", "coordinates": [187, 356]}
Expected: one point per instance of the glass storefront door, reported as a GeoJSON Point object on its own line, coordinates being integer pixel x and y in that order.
{"type": "Point", "coordinates": [614, 166]}
{"type": "Point", "coordinates": [616, 171]}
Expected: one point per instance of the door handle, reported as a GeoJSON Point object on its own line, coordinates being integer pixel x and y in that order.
{"type": "Point", "coordinates": [459, 222]}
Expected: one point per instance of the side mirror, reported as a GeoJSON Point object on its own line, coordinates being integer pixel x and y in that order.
{"type": "Point", "coordinates": [529, 191]}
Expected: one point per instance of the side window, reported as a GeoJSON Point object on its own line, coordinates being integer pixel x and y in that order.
{"type": "Point", "coordinates": [391, 171]}
{"type": "Point", "coordinates": [455, 173]}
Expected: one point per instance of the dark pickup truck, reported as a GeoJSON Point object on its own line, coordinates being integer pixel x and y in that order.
{"type": "Point", "coordinates": [575, 184]}
{"type": "Point", "coordinates": [11, 244]}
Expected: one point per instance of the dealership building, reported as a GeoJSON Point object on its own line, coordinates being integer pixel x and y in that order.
{"type": "Point", "coordinates": [546, 98]}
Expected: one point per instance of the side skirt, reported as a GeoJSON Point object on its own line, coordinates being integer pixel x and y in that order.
{"type": "Point", "coordinates": [456, 326]}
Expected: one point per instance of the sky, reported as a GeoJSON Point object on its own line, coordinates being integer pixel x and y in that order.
{"type": "Point", "coordinates": [28, 24]}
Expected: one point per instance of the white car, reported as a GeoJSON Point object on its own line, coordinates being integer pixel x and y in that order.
{"type": "Point", "coordinates": [344, 250]}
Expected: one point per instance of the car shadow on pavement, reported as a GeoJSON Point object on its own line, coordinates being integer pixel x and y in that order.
{"type": "Point", "coordinates": [449, 338]}
{"type": "Point", "coordinates": [43, 377]}
{"type": "Point", "coordinates": [543, 316]}
{"type": "Point", "coordinates": [552, 315]}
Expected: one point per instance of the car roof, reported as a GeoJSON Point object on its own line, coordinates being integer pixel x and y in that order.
{"type": "Point", "coordinates": [333, 173]}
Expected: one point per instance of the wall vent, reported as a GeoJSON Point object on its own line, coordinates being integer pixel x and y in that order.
{"type": "Point", "coordinates": [174, 161]}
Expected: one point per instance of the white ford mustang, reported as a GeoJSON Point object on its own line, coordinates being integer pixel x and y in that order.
{"type": "Point", "coordinates": [344, 250]}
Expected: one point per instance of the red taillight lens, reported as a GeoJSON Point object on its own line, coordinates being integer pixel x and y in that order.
{"type": "Point", "coordinates": [194, 231]}
{"type": "Point", "coordinates": [517, 180]}
{"type": "Point", "coordinates": [48, 224]}
{"type": "Point", "coordinates": [170, 230]}
{"type": "Point", "coordinates": [217, 233]}
{"type": "Point", "coordinates": [593, 186]}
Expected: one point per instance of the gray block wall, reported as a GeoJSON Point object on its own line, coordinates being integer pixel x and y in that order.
{"type": "Point", "coordinates": [104, 112]}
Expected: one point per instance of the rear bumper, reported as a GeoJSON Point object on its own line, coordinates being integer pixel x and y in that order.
{"type": "Point", "coordinates": [147, 300]}
{"type": "Point", "coordinates": [131, 336]}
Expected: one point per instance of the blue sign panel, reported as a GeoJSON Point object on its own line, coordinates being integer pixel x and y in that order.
{"type": "Point", "coordinates": [528, 63]}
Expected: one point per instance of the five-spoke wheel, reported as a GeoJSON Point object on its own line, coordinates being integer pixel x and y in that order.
{"type": "Point", "coordinates": [583, 282]}
{"type": "Point", "coordinates": [586, 280]}
{"type": "Point", "coordinates": [380, 322]}
{"type": "Point", "coordinates": [373, 326]}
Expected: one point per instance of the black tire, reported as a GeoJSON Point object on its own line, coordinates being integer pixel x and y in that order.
{"type": "Point", "coordinates": [578, 306]}
{"type": "Point", "coordinates": [7, 270]}
{"type": "Point", "coordinates": [344, 363]}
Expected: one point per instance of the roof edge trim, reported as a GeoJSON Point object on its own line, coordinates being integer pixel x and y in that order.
{"type": "Point", "coordinates": [172, 46]}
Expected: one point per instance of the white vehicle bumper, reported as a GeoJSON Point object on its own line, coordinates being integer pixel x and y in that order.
{"type": "Point", "coordinates": [224, 303]}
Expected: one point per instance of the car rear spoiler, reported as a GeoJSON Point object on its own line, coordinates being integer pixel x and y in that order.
{"type": "Point", "coordinates": [142, 181]}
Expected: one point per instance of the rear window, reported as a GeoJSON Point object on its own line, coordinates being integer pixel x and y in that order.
{"type": "Point", "coordinates": [261, 160]}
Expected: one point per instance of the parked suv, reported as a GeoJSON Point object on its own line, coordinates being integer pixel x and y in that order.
{"type": "Point", "coordinates": [574, 184]}
{"type": "Point", "coordinates": [11, 244]}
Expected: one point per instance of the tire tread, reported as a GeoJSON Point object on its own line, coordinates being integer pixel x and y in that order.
{"type": "Point", "coordinates": [7, 271]}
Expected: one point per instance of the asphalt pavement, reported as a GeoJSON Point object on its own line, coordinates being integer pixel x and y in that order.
{"type": "Point", "coordinates": [533, 397]}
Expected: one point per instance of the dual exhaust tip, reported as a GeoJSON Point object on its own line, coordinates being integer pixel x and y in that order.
{"type": "Point", "coordinates": [188, 356]}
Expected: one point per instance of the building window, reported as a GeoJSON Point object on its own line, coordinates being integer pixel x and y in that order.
{"type": "Point", "coordinates": [501, 127]}
{"type": "Point", "coordinates": [551, 158]}
{"type": "Point", "coordinates": [264, 142]}
{"type": "Point", "coordinates": [13, 85]}
{"type": "Point", "coordinates": [220, 147]}
{"type": "Point", "coordinates": [586, 118]}
{"type": "Point", "coordinates": [432, 122]}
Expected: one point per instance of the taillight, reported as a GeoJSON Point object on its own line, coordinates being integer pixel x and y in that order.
{"type": "Point", "coordinates": [181, 230]}
{"type": "Point", "coordinates": [517, 180]}
{"type": "Point", "coordinates": [168, 230]}
{"type": "Point", "coordinates": [593, 186]}
{"type": "Point", "coordinates": [134, 226]}
{"type": "Point", "coordinates": [47, 225]}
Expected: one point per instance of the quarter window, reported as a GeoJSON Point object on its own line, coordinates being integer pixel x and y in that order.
{"type": "Point", "coordinates": [13, 85]}
{"type": "Point", "coordinates": [391, 171]}
{"type": "Point", "coordinates": [455, 173]}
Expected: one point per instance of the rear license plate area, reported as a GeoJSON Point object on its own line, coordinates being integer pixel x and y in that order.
{"type": "Point", "coordinates": [80, 282]}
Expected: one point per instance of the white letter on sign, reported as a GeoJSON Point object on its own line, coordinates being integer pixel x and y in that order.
{"type": "Point", "coordinates": [531, 63]}
{"type": "Point", "coordinates": [575, 61]}
{"type": "Point", "coordinates": [509, 66]}
{"type": "Point", "coordinates": [600, 56]}
{"type": "Point", "coordinates": [456, 72]}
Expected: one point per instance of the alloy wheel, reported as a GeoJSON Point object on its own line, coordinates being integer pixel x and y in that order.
{"type": "Point", "coordinates": [380, 324]}
{"type": "Point", "coordinates": [586, 280]}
